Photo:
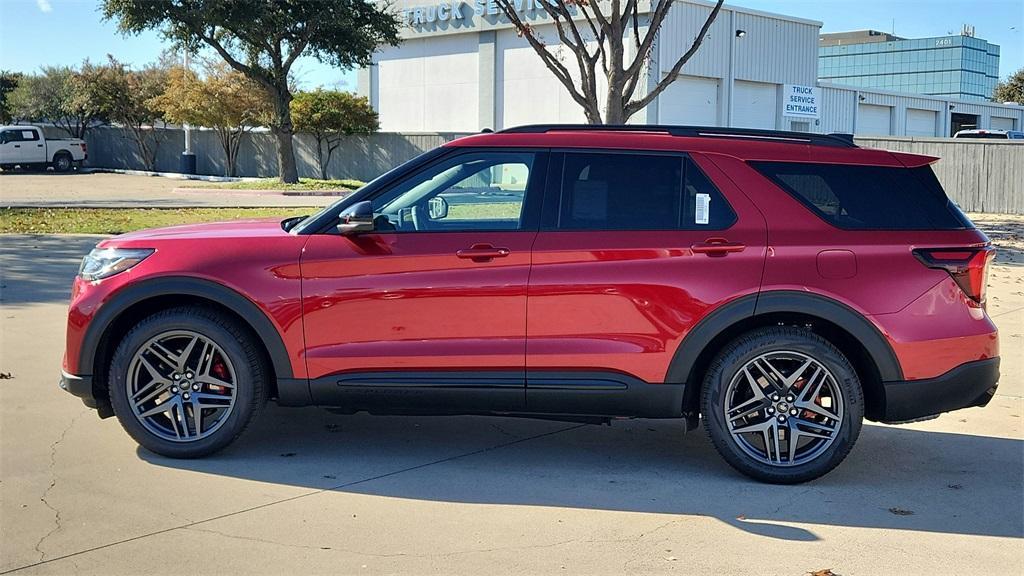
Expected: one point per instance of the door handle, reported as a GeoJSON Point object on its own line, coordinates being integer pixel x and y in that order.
{"type": "Point", "coordinates": [39, 145]}
{"type": "Point", "coordinates": [717, 247]}
{"type": "Point", "coordinates": [17, 145]}
{"type": "Point", "coordinates": [483, 252]}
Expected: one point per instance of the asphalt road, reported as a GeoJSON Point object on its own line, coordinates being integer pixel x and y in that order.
{"type": "Point", "coordinates": [306, 491]}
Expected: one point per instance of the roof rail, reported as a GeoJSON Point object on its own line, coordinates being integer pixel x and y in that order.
{"type": "Point", "coordinates": [839, 140]}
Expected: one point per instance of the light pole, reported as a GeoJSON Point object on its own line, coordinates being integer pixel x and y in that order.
{"type": "Point", "coordinates": [188, 159]}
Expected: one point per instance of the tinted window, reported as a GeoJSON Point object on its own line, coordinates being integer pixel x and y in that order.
{"type": "Point", "coordinates": [638, 192]}
{"type": "Point", "coordinates": [474, 191]}
{"type": "Point", "coordinates": [868, 197]}
{"type": "Point", "coordinates": [986, 135]}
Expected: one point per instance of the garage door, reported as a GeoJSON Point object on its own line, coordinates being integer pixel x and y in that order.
{"type": "Point", "coordinates": [754, 105]}
{"type": "Point", "coordinates": [873, 120]}
{"type": "Point", "coordinates": [1002, 123]}
{"type": "Point", "coordinates": [920, 122]}
{"type": "Point", "coordinates": [689, 100]}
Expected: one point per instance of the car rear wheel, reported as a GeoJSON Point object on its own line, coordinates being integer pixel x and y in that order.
{"type": "Point", "coordinates": [62, 162]}
{"type": "Point", "coordinates": [782, 405]}
{"type": "Point", "coordinates": [186, 382]}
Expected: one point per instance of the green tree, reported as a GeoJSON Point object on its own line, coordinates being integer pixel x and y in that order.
{"type": "Point", "coordinates": [67, 97]}
{"type": "Point", "coordinates": [130, 99]}
{"type": "Point", "coordinates": [8, 82]}
{"type": "Point", "coordinates": [330, 114]}
{"type": "Point", "coordinates": [1012, 89]}
{"type": "Point", "coordinates": [263, 39]}
{"type": "Point", "coordinates": [223, 100]}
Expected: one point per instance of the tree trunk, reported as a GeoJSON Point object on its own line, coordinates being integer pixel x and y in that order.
{"type": "Point", "coordinates": [284, 131]}
{"type": "Point", "coordinates": [320, 156]}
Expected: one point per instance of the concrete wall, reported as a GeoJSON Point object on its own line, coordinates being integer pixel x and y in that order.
{"type": "Point", "coordinates": [360, 157]}
{"type": "Point", "coordinates": [979, 175]}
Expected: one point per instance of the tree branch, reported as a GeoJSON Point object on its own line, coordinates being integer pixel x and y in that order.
{"type": "Point", "coordinates": [663, 83]}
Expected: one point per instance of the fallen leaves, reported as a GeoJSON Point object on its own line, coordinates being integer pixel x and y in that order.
{"type": "Point", "coordinates": [901, 511]}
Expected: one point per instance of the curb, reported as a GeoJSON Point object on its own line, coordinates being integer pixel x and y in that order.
{"type": "Point", "coordinates": [252, 192]}
{"type": "Point", "coordinates": [175, 175]}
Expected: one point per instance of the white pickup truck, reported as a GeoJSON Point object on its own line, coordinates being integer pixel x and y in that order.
{"type": "Point", "coordinates": [26, 146]}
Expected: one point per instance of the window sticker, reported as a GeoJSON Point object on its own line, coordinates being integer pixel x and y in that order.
{"type": "Point", "coordinates": [703, 211]}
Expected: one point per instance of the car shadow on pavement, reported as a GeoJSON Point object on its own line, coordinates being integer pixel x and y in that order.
{"type": "Point", "coordinates": [895, 478]}
{"type": "Point", "coordinates": [40, 269]}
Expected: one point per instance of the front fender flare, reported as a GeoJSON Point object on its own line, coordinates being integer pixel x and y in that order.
{"type": "Point", "coordinates": [129, 296]}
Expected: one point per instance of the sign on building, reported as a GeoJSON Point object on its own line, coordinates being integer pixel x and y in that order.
{"type": "Point", "coordinates": [800, 101]}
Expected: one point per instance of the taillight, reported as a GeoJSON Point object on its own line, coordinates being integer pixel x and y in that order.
{"type": "Point", "coordinates": [968, 267]}
{"type": "Point", "coordinates": [84, 147]}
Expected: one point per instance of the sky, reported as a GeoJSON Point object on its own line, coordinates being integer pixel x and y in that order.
{"type": "Point", "coordinates": [34, 33]}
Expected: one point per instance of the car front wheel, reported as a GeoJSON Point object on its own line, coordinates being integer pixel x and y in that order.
{"type": "Point", "coordinates": [186, 382]}
{"type": "Point", "coordinates": [782, 405]}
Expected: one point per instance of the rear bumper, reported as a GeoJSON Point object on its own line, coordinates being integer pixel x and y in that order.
{"type": "Point", "coordinates": [970, 384]}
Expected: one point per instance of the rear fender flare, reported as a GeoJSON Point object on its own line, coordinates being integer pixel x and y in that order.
{"type": "Point", "coordinates": [749, 307]}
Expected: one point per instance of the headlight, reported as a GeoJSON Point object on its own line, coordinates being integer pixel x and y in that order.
{"type": "Point", "coordinates": [104, 262]}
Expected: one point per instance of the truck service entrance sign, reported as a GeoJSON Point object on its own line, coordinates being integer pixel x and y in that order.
{"type": "Point", "coordinates": [800, 101]}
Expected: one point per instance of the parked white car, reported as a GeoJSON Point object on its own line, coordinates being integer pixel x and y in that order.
{"type": "Point", "coordinates": [26, 146]}
{"type": "Point", "coordinates": [991, 134]}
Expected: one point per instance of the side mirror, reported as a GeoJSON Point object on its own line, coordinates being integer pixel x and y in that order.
{"type": "Point", "coordinates": [437, 208]}
{"type": "Point", "coordinates": [356, 218]}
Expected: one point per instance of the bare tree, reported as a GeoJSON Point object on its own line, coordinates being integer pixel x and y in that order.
{"type": "Point", "coordinates": [597, 33]}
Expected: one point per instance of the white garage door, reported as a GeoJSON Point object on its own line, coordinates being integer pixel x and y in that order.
{"type": "Point", "coordinates": [754, 105]}
{"type": "Point", "coordinates": [689, 100]}
{"type": "Point", "coordinates": [873, 120]}
{"type": "Point", "coordinates": [920, 122]}
{"type": "Point", "coordinates": [1002, 123]}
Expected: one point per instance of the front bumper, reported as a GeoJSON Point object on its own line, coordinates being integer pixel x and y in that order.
{"type": "Point", "coordinates": [970, 384]}
{"type": "Point", "coordinates": [81, 386]}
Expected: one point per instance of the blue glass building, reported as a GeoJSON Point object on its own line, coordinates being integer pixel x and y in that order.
{"type": "Point", "coordinates": [951, 66]}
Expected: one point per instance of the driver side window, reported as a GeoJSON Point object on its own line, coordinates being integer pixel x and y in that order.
{"type": "Point", "coordinates": [470, 192]}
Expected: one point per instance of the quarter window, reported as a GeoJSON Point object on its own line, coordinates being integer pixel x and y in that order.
{"type": "Point", "coordinates": [638, 192]}
{"type": "Point", "coordinates": [861, 197]}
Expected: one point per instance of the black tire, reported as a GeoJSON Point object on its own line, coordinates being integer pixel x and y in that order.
{"type": "Point", "coordinates": [237, 343]}
{"type": "Point", "coordinates": [752, 345]}
{"type": "Point", "coordinates": [63, 162]}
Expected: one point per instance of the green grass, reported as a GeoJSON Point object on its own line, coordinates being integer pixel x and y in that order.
{"type": "Point", "coordinates": [276, 184]}
{"type": "Point", "coordinates": [497, 210]}
{"type": "Point", "coordinates": [121, 220]}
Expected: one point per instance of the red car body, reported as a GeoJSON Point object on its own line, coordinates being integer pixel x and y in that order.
{"type": "Point", "coordinates": [601, 307]}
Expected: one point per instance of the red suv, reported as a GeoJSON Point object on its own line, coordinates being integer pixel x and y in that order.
{"type": "Point", "coordinates": [783, 286]}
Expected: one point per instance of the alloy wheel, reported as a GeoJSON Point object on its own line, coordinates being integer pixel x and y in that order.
{"type": "Point", "coordinates": [181, 386]}
{"type": "Point", "coordinates": [783, 408]}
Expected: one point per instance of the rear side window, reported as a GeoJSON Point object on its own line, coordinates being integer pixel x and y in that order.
{"type": "Point", "coordinates": [601, 191]}
{"type": "Point", "coordinates": [868, 197]}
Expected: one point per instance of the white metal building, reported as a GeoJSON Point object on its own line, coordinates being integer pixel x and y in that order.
{"type": "Point", "coordinates": [462, 67]}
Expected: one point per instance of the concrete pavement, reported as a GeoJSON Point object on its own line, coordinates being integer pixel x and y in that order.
{"type": "Point", "coordinates": [306, 491]}
{"type": "Point", "coordinates": [106, 190]}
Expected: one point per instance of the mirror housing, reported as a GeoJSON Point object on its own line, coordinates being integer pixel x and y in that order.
{"type": "Point", "coordinates": [356, 218]}
{"type": "Point", "coordinates": [437, 208]}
